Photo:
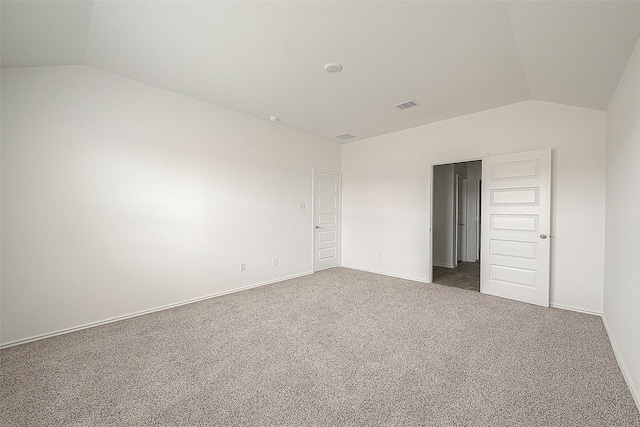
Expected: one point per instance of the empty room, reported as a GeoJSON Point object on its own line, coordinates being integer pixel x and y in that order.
{"type": "Point", "coordinates": [325, 213]}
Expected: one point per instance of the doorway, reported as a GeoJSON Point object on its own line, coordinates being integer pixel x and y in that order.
{"type": "Point", "coordinates": [456, 221]}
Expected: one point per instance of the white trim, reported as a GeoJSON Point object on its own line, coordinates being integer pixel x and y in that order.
{"type": "Point", "coordinates": [430, 263]}
{"type": "Point", "coordinates": [429, 275]}
{"type": "Point", "coordinates": [143, 312]}
{"type": "Point", "coordinates": [387, 274]}
{"type": "Point", "coordinates": [635, 394]}
{"type": "Point", "coordinates": [579, 310]}
{"type": "Point", "coordinates": [451, 162]}
{"type": "Point", "coordinates": [313, 220]}
{"type": "Point", "coordinates": [437, 264]}
{"type": "Point", "coordinates": [456, 194]}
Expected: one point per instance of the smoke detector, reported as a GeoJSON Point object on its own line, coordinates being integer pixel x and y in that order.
{"type": "Point", "coordinates": [333, 67]}
{"type": "Point", "coordinates": [345, 136]}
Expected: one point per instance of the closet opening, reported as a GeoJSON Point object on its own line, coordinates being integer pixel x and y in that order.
{"type": "Point", "coordinates": [456, 222]}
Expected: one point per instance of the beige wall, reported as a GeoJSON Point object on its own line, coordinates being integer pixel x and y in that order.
{"type": "Point", "coordinates": [118, 197]}
{"type": "Point", "coordinates": [622, 245]}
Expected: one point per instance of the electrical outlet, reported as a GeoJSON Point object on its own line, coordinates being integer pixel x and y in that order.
{"type": "Point", "coordinates": [274, 261]}
{"type": "Point", "coordinates": [379, 255]}
{"type": "Point", "coordinates": [243, 267]}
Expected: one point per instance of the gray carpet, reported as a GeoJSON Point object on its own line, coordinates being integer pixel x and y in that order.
{"type": "Point", "coordinates": [340, 347]}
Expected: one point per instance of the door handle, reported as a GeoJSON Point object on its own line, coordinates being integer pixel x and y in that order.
{"type": "Point", "coordinates": [317, 226]}
{"type": "Point", "coordinates": [543, 236]}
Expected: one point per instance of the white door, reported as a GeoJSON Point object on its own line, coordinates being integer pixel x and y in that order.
{"type": "Point", "coordinates": [516, 199]}
{"type": "Point", "coordinates": [326, 216]}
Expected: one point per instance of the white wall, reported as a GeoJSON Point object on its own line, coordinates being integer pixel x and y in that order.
{"type": "Point", "coordinates": [386, 190]}
{"type": "Point", "coordinates": [119, 197]}
{"type": "Point", "coordinates": [443, 216]}
{"type": "Point", "coordinates": [622, 246]}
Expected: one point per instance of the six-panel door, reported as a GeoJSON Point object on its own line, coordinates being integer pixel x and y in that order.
{"type": "Point", "coordinates": [516, 201]}
{"type": "Point", "coordinates": [326, 220]}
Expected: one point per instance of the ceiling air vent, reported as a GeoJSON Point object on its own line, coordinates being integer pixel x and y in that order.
{"type": "Point", "coordinates": [405, 105]}
{"type": "Point", "coordinates": [345, 136]}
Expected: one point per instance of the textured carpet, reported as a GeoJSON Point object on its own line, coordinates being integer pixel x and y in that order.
{"type": "Point", "coordinates": [340, 347]}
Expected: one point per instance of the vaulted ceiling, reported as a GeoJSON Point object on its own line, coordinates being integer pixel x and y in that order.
{"type": "Point", "coordinates": [266, 58]}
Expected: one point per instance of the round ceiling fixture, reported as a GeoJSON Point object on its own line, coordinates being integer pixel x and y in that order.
{"type": "Point", "coordinates": [333, 67]}
{"type": "Point", "coordinates": [274, 118]}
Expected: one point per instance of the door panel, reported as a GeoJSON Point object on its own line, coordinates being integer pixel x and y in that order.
{"type": "Point", "coordinates": [326, 236]}
{"type": "Point", "coordinates": [513, 196]}
{"type": "Point", "coordinates": [520, 223]}
{"type": "Point", "coordinates": [514, 249]}
{"type": "Point", "coordinates": [516, 201]}
{"type": "Point", "coordinates": [326, 215]}
{"type": "Point", "coordinates": [327, 219]}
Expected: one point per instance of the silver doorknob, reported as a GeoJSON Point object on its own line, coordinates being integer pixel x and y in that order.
{"type": "Point", "coordinates": [317, 226]}
{"type": "Point", "coordinates": [543, 236]}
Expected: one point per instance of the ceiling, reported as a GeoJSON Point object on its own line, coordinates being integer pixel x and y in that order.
{"type": "Point", "coordinates": [266, 58]}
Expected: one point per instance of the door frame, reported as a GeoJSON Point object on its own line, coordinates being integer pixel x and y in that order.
{"type": "Point", "coordinates": [430, 198]}
{"type": "Point", "coordinates": [313, 215]}
{"type": "Point", "coordinates": [478, 218]}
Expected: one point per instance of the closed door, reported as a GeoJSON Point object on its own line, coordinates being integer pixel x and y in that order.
{"type": "Point", "coordinates": [326, 214]}
{"type": "Point", "coordinates": [516, 206]}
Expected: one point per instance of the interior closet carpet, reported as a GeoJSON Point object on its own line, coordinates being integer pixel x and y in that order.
{"type": "Point", "coordinates": [339, 347]}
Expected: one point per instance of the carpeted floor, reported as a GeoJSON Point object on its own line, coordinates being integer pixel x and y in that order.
{"type": "Point", "coordinates": [340, 347]}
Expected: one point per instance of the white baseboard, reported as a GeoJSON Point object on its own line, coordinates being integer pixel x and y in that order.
{"type": "Point", "coordinates": [415, 279]}
{"type": "Point", "coordinates": [625, 373]}
{"type": "Point", "coordinates": [143, 312]}
{"type": "Point", "coordinates": [579, 310]}
{"type": "Point", "coordinates": [438, 264]}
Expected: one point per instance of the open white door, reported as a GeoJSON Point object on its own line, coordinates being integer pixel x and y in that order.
{"type": "Point", "coordinates": [326, 218]}
{"type": "Point", "coordinates": [516, 211]}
